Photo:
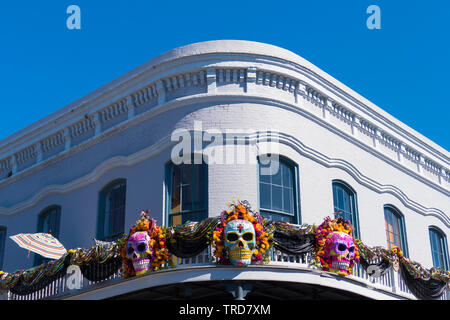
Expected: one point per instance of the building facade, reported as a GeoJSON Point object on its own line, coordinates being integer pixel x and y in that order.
{"type": "Point", "coordinates": [87, 170]}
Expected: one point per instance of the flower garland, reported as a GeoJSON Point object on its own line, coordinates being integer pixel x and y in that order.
{"type": "Point", "coordinates": [321, 233]}
{"type": "Point", "coordinates": [160, 254]}
{"type": "Point", "coordinates": [287, 227]}
{"type": "Point", "coordinates": [379, 253]}
{"type": "Point", "coordinates": [243, 211]}
{"type": "Point", "coordinates": [395, 256]}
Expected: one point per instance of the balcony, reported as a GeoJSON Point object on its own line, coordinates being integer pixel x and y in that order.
{"type": "Point", "coordinates": [202, 268]}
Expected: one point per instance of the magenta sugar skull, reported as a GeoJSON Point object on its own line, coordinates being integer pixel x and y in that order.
{"type": "Point", "coordinates": [139, 252]}
{"type": "Point", "coordinates": [339, 252]}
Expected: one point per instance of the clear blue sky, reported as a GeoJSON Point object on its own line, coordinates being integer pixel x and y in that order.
{"type": "Point", "coordinates": [403, 68]}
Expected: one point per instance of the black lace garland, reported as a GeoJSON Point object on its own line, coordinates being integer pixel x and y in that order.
{"type": "Point", "coordinates": [190, 240]}
{"type": "Point", "coordinates": [293, 243]}
{"type": "Point", "coordinates": [383, 266]}
{"type": "Point", "coordinates": [21, 288]}
{"type": "Point", "coordinates": [423, 289]}
{"type": "Point", "coordinates": [30, 285]}
{"type": "Point", "coordinates": [95, 271]}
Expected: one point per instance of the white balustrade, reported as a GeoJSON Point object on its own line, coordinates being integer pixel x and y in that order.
{"type": "Point", "coordinates": [390, 282]}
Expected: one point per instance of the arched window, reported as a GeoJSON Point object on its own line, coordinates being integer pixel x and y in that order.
{"type": "Point", "coordinates": [186, 192]}
{"type": "Point", "coordinates": [439, 249]}
{"type": "Point", "coordinates": [278, 189]}
{"type": "Point", "coordinates": [2, 245]}
{"type": "Point", "coordinates": [111, 212]}
{"type": "Point", "coordinates": [395, 229]}
{"type": "Point", "coordinates": [344, 202]}
{"type": "Point", "coordinates": [48, 222]}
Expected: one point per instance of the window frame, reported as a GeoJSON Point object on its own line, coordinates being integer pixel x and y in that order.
{"type": "Point", "coordinates": [296, 216]}
{"type": "Point", "coordinates": [43, 214]}
{"type": "Point", "coordinates": [3, 234]}
{"type": "Point", "coordinates": [168, 192]}
{"type": "Point", "coordinates": [443, 246]}
{"type": "Point", "coordinates": [401, 225]}
{"type": "Point", "coordinates": [102, 197]}
{"type": "Point", "coordinates": [353, 203]}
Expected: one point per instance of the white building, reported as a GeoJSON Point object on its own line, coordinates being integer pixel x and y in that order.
{"type": "Point", "coordinates": [87, 170]}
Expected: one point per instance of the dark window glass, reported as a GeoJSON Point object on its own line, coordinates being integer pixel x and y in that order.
{"type": "Point", "coordinates": [2, 245]}
{"type": "Point", "coordinates": [344, 199]}
{"type": "Point", "coordinates": [277, 190]}
{"type": "Point", "coordinates": [187, 192]}
{"type": "Point", "coordinates": [48, 222]}
{"type": "Point", "coordinates": [112, 199]}
{"type": "Point", "coordinates": [439, 249]}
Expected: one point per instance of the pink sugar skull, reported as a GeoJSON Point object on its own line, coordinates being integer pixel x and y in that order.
{"type": "Point", "coordinates": [140, 252]}
{"type": "Point", "coordinates": [339, 252]}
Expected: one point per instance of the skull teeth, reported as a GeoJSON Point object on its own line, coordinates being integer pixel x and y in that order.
{"type": "Point", "coordinates": [240, 254]}
{"type": "Point", "coordinates": [340, 265]}
{"type": "Point", "coordinates": [141, 264]}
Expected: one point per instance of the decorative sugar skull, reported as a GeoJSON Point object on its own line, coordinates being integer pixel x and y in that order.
{"type": "Point", "coordinates": [139, 252]}
{"type": "Point", "coordinates": [339, 252]}
{"type": "Point", "coordinates": [240, 241]}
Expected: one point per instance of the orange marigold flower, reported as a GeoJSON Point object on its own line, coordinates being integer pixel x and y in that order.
{"type": "Point", "coordinates": [241, 208]}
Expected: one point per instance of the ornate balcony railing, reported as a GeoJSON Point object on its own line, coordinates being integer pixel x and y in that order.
{"type": "Point", "coordinates": [73, 284]}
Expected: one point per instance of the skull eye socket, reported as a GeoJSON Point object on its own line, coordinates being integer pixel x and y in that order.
{"type": "Point", "coordinates": [232, 237]}
{"type": "Point", "coordinates": [130, 250]}
{"type": "Point", "coordinates": [342, 247]}
{"type": "Point", "coordinates": [351, 249]}
{"type": "Point", "coordinates": [247, 236]}
{"type": "Point", "coordinates": [141, 247]}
